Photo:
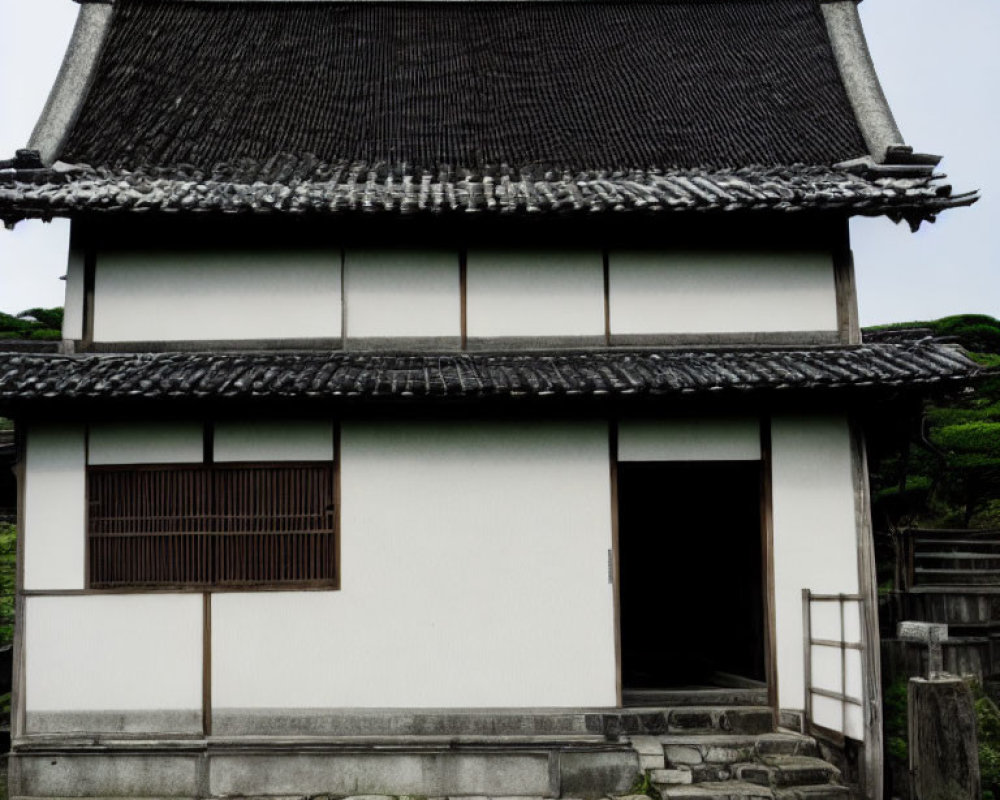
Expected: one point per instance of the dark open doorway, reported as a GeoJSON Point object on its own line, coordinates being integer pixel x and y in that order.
{"type": "Point", "coordinates": [691, 599]}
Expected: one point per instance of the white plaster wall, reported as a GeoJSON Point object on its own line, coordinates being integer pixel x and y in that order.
{"type": "Point", "coordinates": [73, 307]}
{"type": "Point", "coordinates": [166, 442]}
{"type": "Point", "coordinates": [534, 293]}
{"type": "Point", "coordinates": [55, 507]}
{"type": "Point", "coordinates": [402, 293]}
{"type": "Point", "coordinates": [815, 536]}
{"type": "Point", "coordinates": [204, 294]}
{"type": "Point", "coordinates": [270, 440]}
{"type": "Point", "coordinates": [690, 439]}
{"type": "Point", "coordinates": [114, 652]}
{"type": "Point", "coordinates": [721, 292]}
{"type": "Point", "coordinates": [474, 573]}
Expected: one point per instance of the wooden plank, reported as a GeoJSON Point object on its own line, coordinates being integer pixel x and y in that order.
{"type": "Point", "coordinates": [841, 696]}
{"type": "Point", "coordinates": [871, 671]}
{"type": "Point", "coordinates": [607, 297]}
{"type": "Point", "coordinates": [615, 560]}
{"type": "Point", "coordinates": [206, 665]}
{"type": "Point", "coordinates": [767, 564]}
{"type": "Point", "coordinates": [463, 296]}
{"type": "Point", "coordinates": [18, 727]}
{"type": "Point", "coordinates": [337, 567]}
{"type": "Point", "coordinates": [848, 325]}
{"type": "Point", "coordinates": [89, 282]}
{"type": "Point", "coordinates": [807, 653]}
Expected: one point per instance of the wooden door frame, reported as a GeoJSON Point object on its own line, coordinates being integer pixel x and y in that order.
{"type": "Point", "coordinates": [767, 562]}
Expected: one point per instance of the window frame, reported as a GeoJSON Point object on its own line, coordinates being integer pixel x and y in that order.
{"type": "Point", "coordinates": [209, 465]}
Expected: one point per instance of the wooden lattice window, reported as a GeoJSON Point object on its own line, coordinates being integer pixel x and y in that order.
{"type": "Point", "coordinates": [212, 525]}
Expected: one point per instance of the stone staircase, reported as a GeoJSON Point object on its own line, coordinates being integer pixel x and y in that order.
{"type": "Point", "coordinates": [723, 753]}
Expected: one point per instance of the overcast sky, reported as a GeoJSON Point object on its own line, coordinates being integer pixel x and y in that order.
{"type": "Point", "coordinates": [939, 61]}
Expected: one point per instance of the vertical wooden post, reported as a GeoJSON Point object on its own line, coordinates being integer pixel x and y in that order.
{"type": "Point", "coordinates": [607, 297]}
{"type": "Point", "coordinates": [17, 708]}
{"type": "Point", "coordinates": [871, 672]}
{"type": "Point", "coordinates": [463, 296]}
{"type": "Point", "coordinates": [844, 286]}
{"type": "Point", "coordinates": [89, 282]}
{"type": "Point", "coordinates": [767, 563]}
{"type": "Point", "coordinates": [807, 656]}
{"type": "Point", "coordinates": [206, 665]}
{"type": "Point", "coordinates": [615, 570]}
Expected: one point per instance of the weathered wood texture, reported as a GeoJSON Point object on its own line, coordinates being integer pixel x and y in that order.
{"type": "Point", "coordinates": [944, 754]}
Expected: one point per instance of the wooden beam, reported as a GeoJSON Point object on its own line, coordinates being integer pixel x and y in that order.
{"type": "Point", "coordinates": [463, 296]}
{"type": "Point", "coordinates": [89, 282]}
{"type": "Point", "coordinates": [17, 698]}
{"type": "Point", "coordinates": [871, 669]}
{"type": "Point", "coordinates": [206, 665]}
{"type": "Point", "coordinates": [615, 559]}
{"type": "Point", "coordinates": [848, 327]}
{"type": "Point", "coordinates": [767, 564]}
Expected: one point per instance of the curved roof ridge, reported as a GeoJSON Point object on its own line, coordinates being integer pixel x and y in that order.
{"type": "Point", "coordinates": [857, 72]}
{"type": "Point", "coordinates": [72, 85]}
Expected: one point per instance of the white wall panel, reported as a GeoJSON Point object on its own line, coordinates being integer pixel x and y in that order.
{"type": "Point", "coordinates": [721, 292]}
{"type": "Point", "coordinates": [225, 295]}
{"type": "Point", "coordinates": [268, 440]}
{"type": "Point", "coordinates": [402, 293]}
{"type": "Point", "coordinates": [691, 439]}
{"type": "Point", "coordinates": [166, 442]}
{"type": "Point", "coordinates": [475, 562]}
{"type": "Point", "coordinates": [55, 507]}
{"type": "Point", "coordinates": [815, 536]}
{"type": "Point", "coordinates": [114, 652]}
{"type": "Point", "coordinates": [534, 293]}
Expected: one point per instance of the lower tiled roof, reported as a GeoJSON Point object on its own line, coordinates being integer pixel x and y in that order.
{"type": "Point", "coordinates": [302, 185]}
{"type": "Point", "coordinates": [475, 375]}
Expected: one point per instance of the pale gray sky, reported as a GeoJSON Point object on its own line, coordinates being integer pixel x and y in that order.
{"type": "Point", "coordinates": [939, 61]}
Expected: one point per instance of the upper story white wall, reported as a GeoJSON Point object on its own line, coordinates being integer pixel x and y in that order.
{"type": "Point", "coordinates": [721, 292]}
{"type": "Point", "coordinates": [216, 295]}
{"type": "Point", "coordinates": [369, 295]}
{"type": "Point", "coordinates": [535, 293]}
{"type": "Point", "coordinates": [402, 293]}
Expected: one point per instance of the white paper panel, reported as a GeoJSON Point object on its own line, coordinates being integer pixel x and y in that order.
{"type": "Point", "coordinates": [689, 439]}
{"type": "Point", "coordinates": [402, 293]}
{"type": "Point", "coordinates": [146, 443]}
{"type": "Point", "coordinates": [273, 440]}
{"type": "Point", "coordinates": [828, 713]}
{"type": "Point", "coordinates": [826, 668]}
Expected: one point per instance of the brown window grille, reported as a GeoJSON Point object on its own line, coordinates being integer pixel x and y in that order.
{"type": "Point", "coordinates": [211, 525]}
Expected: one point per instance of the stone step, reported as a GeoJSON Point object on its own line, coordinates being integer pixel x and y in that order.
{"type": "Point", "coordinates": [710, 721]}
{"type": "Point", "coordinates": [786, 771]}
{"type": "Point", "coordinates": [830, 791]}
{"type": "Point", "coordinates": [723, 790]}
{"type": "Point", "coordinates": [725, 749]}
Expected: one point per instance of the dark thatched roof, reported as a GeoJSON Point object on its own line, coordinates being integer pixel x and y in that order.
{"type": "Point", "coordinates": [475, 376]}
{"type": "Point", "coordinates": [574, 85]}
{"type": "Point", "coordinates": [582, 105]}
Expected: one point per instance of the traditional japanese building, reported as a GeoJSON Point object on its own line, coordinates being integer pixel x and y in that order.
{"type": "Point", "coordinates": [456, 398]}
